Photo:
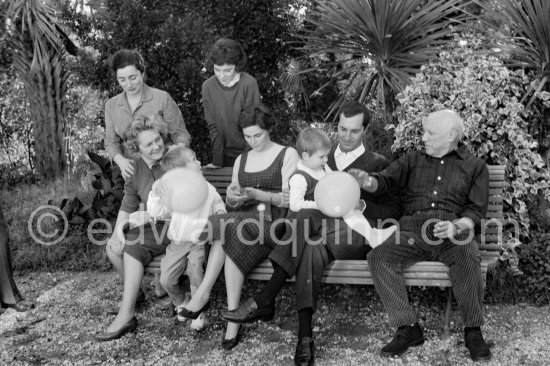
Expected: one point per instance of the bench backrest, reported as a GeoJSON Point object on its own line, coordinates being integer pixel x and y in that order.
{"type": "Point", "coordinates": [490, 242]}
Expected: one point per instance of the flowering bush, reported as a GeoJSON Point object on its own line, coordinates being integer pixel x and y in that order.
{"type": "Point", "coordinates": [477, 85]}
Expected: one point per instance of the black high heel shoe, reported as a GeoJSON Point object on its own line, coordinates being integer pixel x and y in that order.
{"type": "Point", "coordinates": [130, 326]}
{"type": "Point", "coordinates": [229, 344]}
{"type": "Point", "coordinates": [193, 314]}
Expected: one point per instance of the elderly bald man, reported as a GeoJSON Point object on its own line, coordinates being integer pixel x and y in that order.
{"type": "Point", "coordinates": [445, 194]}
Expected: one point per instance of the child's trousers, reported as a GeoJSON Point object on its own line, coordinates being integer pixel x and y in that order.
{"type": "Point", "coordinates": [181, 257]}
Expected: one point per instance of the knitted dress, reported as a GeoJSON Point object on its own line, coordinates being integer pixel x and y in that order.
{"type": "Point", "coordinates": [246, 238]}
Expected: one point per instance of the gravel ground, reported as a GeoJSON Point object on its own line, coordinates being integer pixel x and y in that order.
{"type": "Point", "coordinates": [350, 329]}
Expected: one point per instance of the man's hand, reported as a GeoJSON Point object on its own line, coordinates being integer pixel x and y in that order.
{"type": "Point", "coordinates": [365, 181]}
{"type": "Point", "coordinates": [445, 230]}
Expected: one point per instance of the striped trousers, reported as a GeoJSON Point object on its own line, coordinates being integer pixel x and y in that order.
{"type": "Point", "coordinates": [409, 246]}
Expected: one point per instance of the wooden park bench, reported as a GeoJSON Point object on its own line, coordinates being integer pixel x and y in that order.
{"type": "Point", "coordinates": [428, 273]}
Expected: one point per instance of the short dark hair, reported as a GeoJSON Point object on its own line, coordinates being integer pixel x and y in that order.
{"type": "Point", "coordinates": [126, 57]}
{"type": "Point", "coordinates": [228, 51]}
{"type": "Point", "coordinates": [353, 108]}
{"type": "Point", "coordinates": [257, 115]}
{"type": "Point", "coordinates": [311, 140]}
{"type": "Point", "coordinates": [143, 123]}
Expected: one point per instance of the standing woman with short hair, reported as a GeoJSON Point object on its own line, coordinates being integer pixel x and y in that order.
{"type": "Point", "coordinates": [224, 96]}
{"type": "Point", "coordinates": [137, 98]}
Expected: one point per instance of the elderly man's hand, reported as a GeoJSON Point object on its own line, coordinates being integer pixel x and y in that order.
{"type": "Point", "coordinates": [365, 181]}
{"type": "Point", "coordinates": [445, 230]}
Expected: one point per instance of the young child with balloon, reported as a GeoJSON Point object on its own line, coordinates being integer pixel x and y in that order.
{"type": "Point", "coordinates": [337, 196]}
{"type": "Point", "coordinates": [187, 199]}
{"type": "Point", "coordinates": [313, 146]}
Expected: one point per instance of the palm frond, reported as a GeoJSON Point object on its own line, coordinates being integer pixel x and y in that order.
{"type": "Point", "coordinates": [393, 38]}
{"type": "Point", "coordinates": [528, 23]}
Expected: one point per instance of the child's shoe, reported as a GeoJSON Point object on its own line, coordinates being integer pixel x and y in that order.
{"type": "Point", "coordinates": [181, 306]}
{"type": "Point", "coordinates": [199, 323]}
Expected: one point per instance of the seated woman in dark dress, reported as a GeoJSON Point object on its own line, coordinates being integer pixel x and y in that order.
{"type": "Point", "coordinates": [258, 194]}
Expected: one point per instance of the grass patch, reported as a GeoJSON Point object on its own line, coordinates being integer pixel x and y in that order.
{"type": "Point", "coordinates": [74, 253]}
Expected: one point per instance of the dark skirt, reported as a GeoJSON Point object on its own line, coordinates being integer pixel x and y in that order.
{"type": "Point", "coordinates": [246, 237]}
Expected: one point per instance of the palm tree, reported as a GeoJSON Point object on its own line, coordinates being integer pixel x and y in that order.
{"type": "Point", "coordinates": [38, 59]}
{"type": "Point", "coordinates": [375, 46]}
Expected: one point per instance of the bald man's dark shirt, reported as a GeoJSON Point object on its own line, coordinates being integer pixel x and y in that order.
{"type": "Point", "coordinates": [457, 182]}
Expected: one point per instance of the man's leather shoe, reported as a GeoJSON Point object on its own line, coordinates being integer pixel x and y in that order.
{"type": "Point", "coordinates": [140, 299]}
{"type": "Point", "coordinates": [21, 305]}
{"type": "Point", "coordinates": [304, 352]}
{"type": "Point", "coordinates": [130, 326]}
{"type": "Point", "coordinates": [183, 312]}
{"type": "Point", "coordinates": [479, 350]}
{"type": "Point", "coordinates": [248, 312]}
{"type": "Point", "coordinates": [405, 337]}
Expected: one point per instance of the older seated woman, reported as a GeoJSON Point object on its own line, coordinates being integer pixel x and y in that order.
{"type": "Point", "coordinates": [243, 238]}
{"type": "Point", "coordinates": [134, 244]}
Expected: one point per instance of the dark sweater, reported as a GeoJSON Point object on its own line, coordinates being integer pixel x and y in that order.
{"type": "Point", "coordinates": [378, 207]}
{"type": "Point", "coordinates": [222, 107]}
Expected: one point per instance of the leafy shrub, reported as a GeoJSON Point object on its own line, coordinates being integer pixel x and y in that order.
{"type": "Point", "coordinates": [486, 94]}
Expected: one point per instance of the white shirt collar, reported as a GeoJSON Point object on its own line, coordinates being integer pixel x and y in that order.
{"type": "Point", "coordinates": [316, 174]}
{"type": "Point", "coordinates": [358, 151]}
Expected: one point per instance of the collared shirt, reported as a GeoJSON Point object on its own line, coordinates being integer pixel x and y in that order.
{"type": "Point", "coordinates": [156, 102]}
{"type": "Point", "coordinates": [344, 159]}
{"type": "Point", "coordinates": [298, 187]}
{"type": "Point", "coordinates": [457, 182]}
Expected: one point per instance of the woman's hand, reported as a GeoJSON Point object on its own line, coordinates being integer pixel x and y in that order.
{"type": "Point", "coordinates": [286, 197]}
{"type": "Point", "coordinates": [126, 166]}
{"type": "Point", "coordinates": [256, 194]}
{"type": "Point", "coordinates": [236, 194]}
{"type": "Point", "coordinates": [211, 166]}
{"type": "Point", "coordinates": [115, 244]}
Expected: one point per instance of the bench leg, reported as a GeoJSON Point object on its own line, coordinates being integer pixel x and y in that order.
{"type": "Point", "coordinates": [447, 323]}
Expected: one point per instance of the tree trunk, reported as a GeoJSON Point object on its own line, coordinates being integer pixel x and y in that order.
{"type": "Point", "coordinates": [46, 90]}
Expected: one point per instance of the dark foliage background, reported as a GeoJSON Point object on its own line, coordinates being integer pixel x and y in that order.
{"type": "Point", "coordinates": [174, 40]}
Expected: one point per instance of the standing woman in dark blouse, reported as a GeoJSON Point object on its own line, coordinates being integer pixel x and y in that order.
{"type": "Point", "coordinates": [137, 98]}
{"type": "Point", "coordinates": [224, 96]}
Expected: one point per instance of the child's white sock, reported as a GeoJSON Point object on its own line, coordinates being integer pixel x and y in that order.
{"type": "Point", "coordinates": [360, 224]}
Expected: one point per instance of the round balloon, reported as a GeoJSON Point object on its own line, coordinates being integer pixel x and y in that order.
{"type": "Point", "coordinates": [187, 189]}
{"type": "Point", "coordinates": [336, 194]}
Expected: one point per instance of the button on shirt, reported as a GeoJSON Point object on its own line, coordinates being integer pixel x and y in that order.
{"type": "Point", "coordinates": [457, 182]}
{"type": "Point", "coordinates": [344, 159]}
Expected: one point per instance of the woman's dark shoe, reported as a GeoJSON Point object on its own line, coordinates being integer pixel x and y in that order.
{"type": "Point", "coordinates": [248, 312]}
{"type": "Point", "coordinates": [130, 326]}
{"type": "Point", "coordinates": [21, 305]}
{"type": "Point", "coordinates": [193, 314]}
{"type": "Point", "coordinates": [229, 344]}
{"type": "Point", "coordinates": [304, 352]}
